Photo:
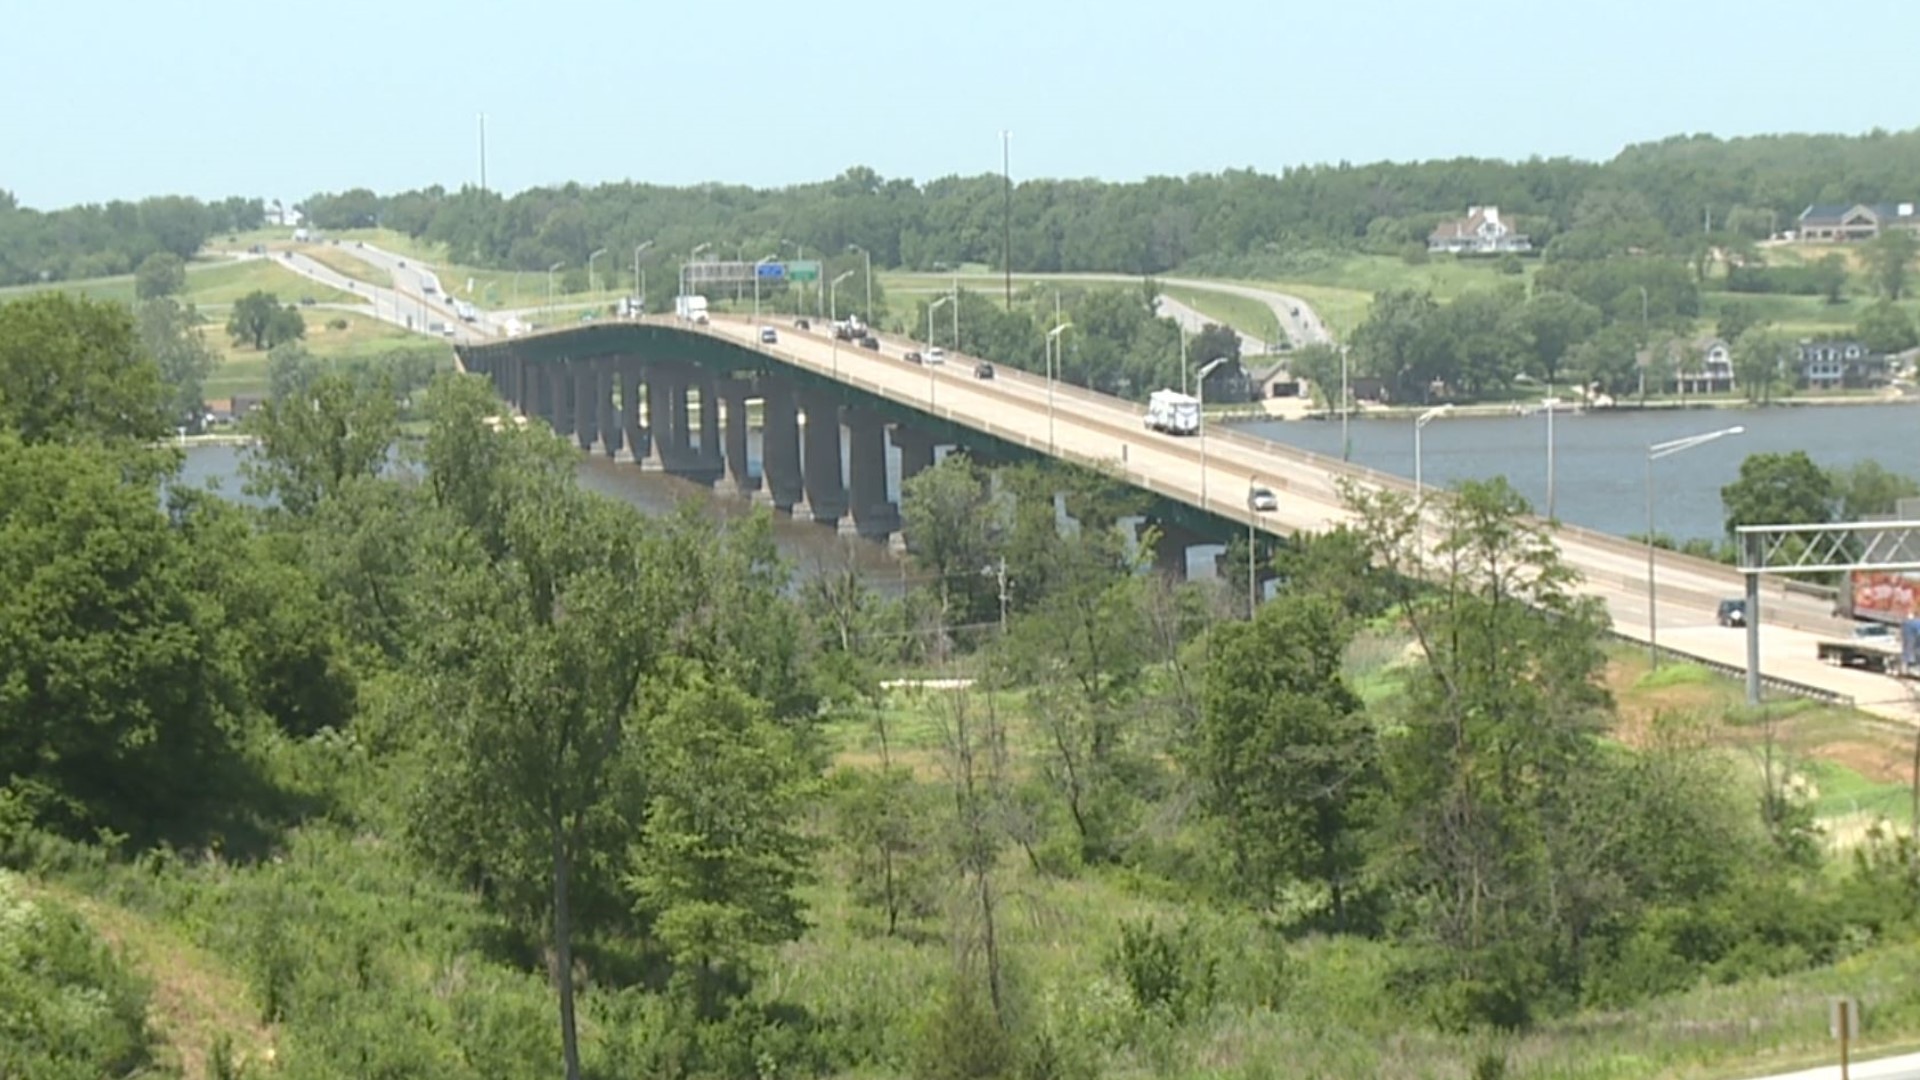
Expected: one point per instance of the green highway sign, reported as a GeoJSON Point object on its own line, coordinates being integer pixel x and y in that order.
{"type": "Point", "coordinates": [803, 271]}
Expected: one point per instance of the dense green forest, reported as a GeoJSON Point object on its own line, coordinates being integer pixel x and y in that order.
{"type": "Point", "coordinates": [99, 241]}
{"type": "Point", "coordinates": [466, 771]}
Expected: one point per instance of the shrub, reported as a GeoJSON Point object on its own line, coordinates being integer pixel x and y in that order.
{"type": "Point", "coordinates": [68, 1009]}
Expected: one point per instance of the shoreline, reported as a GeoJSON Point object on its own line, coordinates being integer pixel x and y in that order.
{"type": "Point", "coordinates": [1493, 409]}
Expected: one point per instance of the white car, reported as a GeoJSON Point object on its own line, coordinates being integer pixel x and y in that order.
{"type": "Point", "coordinates": [936, 356]}
{"type": "Point", "coordinates": [1261, 499]}
{"type": "Point", "coordinates": [768, 336]}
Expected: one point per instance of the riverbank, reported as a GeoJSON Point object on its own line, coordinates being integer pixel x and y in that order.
{"type": "Point", "coordinates": [1370, 411]}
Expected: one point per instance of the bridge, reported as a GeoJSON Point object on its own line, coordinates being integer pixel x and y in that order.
{"type": "Point", "coordinates": [626, 388]}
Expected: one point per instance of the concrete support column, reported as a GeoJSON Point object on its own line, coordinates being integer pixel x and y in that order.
{"type": "Point", "coordinates": [826, 492]}
{"type": "Point", "coordinates": [637, 437]}
{"type": "Point", "coordinates": [497, 371]}
{"type": "Point", "coordinates": [586, 415]}
{"type": "Point", "coordinates": [874, 515]}
{"type": "Point", "coordinates": [1170, 547]}
{"type": "Point", "coordinates": [518, 384]}
{"type": "Point", "coordinates": [780, 443]}
{"type": "Point", "coordinates": [711, 454]}
{"type": "Point", "coordinates": [612, 437]}
{"type": "Point", "coordinates": [659, 394]}
{"type": "Point", "coordinates": [676, 381]}
{"type": "Point", "coordinates": [916, 451]}
{"type": "Point", "coordinates": [733, 394]}
{"type": "Point", "coordinates": [560, 398]}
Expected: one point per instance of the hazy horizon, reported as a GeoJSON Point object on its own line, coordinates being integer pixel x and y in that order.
{"type": "Point", "coordinates": [384, 97]}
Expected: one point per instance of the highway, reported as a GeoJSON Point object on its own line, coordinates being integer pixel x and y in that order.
{"type": "Point", "coordinates": [1903, 1067]}
{"type": "Point", "coordinates": [407, 304]}
{"type": "Point", "coordinates": [1095, 429]}
{"type": "Point", "coordinates": [1193, 321]}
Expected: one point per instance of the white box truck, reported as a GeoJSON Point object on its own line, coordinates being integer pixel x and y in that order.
{"type": "Point", "coordinates": [1173, 412]}
{"type": "Point", "coordinates": [691, 308]}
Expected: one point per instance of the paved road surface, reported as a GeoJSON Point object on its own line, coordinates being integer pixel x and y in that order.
{"type": "Point", "coordinates": [1193, 322]}
{"type": "Point", "coordinates": [407, 304]}
{"type": "Point", "coordinates": [1095, 428]}
{"type": "Point", "coordinates": [1904, 1067]}
{"type": "Point", "coordinates": [1302, 324]}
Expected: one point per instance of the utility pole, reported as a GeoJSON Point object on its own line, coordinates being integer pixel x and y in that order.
{"type": "Point", "coordinates": [1006, 213]}
{"type": "Point", "coordinates": [483, 153]}
{"type": "Point", "coordinates": [1003, 596]}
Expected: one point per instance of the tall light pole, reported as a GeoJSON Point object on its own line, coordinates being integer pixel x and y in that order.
{"type": "Point", "coordinates": [833, 313]}
{"type": "Point", "coordinates": [590, 258]}
{"type": "Point", "coordinates": [640, 277]}
{"type": "Point", "coordinates": [1253, 581]}
{"type": "Point", "coordinates": [937, 304]}
{"type": "Point", "coordinates": [1552, 405]}
{"type": "Point", "coordinates": [1183, 356]}
{"type": "Point", "coordinates": [1654, 453]}
{"type": "Point", "coordinates": [799, 296]}
{"type": "Point", "coordinates": [756, 285]}
{"type": "Point", "coordinates": [1200, 394]}
{"type": "Point", "coordinates": [550, 271]}
{"type": "Point", "coordinates": [1346, 442]}
{"type": "Point", "coordinates": [1421, 421]}
{"type": "Point", "coordinates": [1053, 363]}
{"type": "Point", "coordinates": [686, 272]}
{"type": "Point", "coordinates": [869, 272]}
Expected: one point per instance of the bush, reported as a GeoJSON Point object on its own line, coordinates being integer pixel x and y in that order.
{"type": "Point", "coordinates": [68, 1009]}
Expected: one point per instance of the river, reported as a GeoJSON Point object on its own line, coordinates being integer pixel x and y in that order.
{"type": "Point", "coordinates": [1600, 457]}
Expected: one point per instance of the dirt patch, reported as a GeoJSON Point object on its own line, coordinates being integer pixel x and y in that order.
{"type": "Point", "coordinates": [1876, 761]}
{"type": "Point", "coordinates": [195, 999]}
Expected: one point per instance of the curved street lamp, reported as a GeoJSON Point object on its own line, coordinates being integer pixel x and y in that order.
{"type": "Point", "coordinates": [1200, 396]}
{"type": "Point", "coordinates": [1654, 453]}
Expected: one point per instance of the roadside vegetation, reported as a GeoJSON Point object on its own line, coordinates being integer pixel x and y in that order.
{"type": "Point", "coordinates": [457, 769]}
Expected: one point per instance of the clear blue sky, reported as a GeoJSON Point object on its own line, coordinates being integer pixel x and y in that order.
{"type": "Point", "coordinates": [108, 100]}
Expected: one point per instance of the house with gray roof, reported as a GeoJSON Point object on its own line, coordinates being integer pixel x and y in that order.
{"type": "Point", "coordinates": [1842, 222]}
{"type": "Point", "coordinates": [1481, 232]}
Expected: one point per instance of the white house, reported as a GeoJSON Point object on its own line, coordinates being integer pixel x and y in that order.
{"type": "Point", "coordinates": [1481, 232]}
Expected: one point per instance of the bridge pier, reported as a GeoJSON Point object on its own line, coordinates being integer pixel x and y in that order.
{"type": "Point", "coordinates": [1170, 546]}
{"type": "Point", "coordinates": [874, 515]}
{"type": "Point", "coordinates": [638, 440]}
{"type": "Point", "coordinates": [559, 399]}
{"type": "Point", "coordinates": [733, 393]}
{"type": "Point", "coordinates": [780, 444]}
{"type": "Point", "coordinates": [713, 457]}
{"type": "Point", "coordinates": [612, 435]}
{"type": "Point", "coordinates": [916, 452]}
{"type": "Point", "coordinates": [586, 415]}
{"type": "Point", "coordinates": [826, 492]}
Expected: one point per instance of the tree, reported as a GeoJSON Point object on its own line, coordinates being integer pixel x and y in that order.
{"type": "Point", "coordinates": [259, 319]}
{"type": "Point", "coordinates": [1761, 359]}
{"type": "Point", "coordinates": [1889, 258]}
{"type": "Point", "coordinates": [1887, 328]}
{"type": "Point", "coordinates": [115, 708]}
{"type": "Point", "coordinates": [71, 370]}
{"type": "Point", "coordinates": [312, 444]}
{"type": "Point", "coordinates": [949, 519]}
{"type": "Point", "coordinates": [1778, 489]}
{"type": "Point", "coordinates": [160, 274]}
{"type": "Point", "coordinates": [1215, 341]}
{"type": "Point", "coordinates": [1501, 717]}
{"type": "Point", "coordinates": [1736, 318]}
{"type": "Point", "coordinates": [1556, 323]}
{"type": "Point", "coordinates": [717, 867]}
{"type": "Point", "coordinates": [1287, 757]}
{"type": "Point", "coordinates": [170, 334]}
{"type": "Point", "coordinates": [1319, 364]}
{"type": "Point", "coordinates": [1393, 342]}
{"type": "Point", "coordinates": [1867, 487]}
{"type": "Point", "coordinates": [1830, 277]}
{"type": "Point", "coordinates": [1606, 360]}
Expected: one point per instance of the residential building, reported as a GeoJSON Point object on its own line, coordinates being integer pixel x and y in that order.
{"type": "Point", "coordinates": [1229, 382]}
{"type": "Point", "coordinates": [1828, 365]}
{"type": "Point", "coordinates": [1684, 366]}
{"type": "Point", "coordinates": [1481, 232]}
{"type": "Point", "coordinates": [1842, 222]}
{"type": "Point", "coordinates": [1274, 381]}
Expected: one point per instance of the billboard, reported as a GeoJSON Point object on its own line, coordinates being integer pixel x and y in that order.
{"type": "Point", "coordinates": [1883, 595]}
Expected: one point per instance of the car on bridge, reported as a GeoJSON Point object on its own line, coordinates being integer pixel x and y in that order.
{"type": "Point", "coordinates": [870, 342]}
{"type": "Point", "coordinates": [983, 370]}
{"type": "Point", "coordinates": [768, 336]}
{"type": "Point", "coordinates": [802, 324]}
{"type": "Point", "coordinates": [912, 357]}
{"type": "Point", "coordinates": [1260, 499]}
{"type": "Point", "coordinates": [1732, 613]}
{"type": "Point", "coordinates": [936, 355]}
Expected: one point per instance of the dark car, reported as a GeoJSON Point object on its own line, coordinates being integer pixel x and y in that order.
{"type": "Point", "coordinates": [870, 342]}
{"type": "Point", "coordinates": [913, 358]}
{"type": "Point", "coordinates": [983, 370]}
{"type": "Point", "coordinates": [802, 324]}
{"type": "Point", "coordinates": [1733, 613]}
{"type": "Point", "coordinates": [306, 301]}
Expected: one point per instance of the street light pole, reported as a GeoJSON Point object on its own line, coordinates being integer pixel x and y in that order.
{"type": "Point", "coordinates": [869, 274]}
{"type": "Point", "coordinates": [833, 313]}
{"type": "Point", "coordinates": [1346, 443]}
{"type": "Point", "coordinates": [590, 258]}
{"type": "Point", "coordinates": [756, 286]}
{"type": "Point", "coordinates": [550, 271]}
{"type": "Point", "coordinates": [1053, 363]}
{"type": "Point", "coordinates": [931, 308]}
{"type": "Point", "coordinates": [1200, 395]}
{"type": "Point", "coordinates": [1654, 453]}
{"type": "Point", "coordinates": [1552, 403]}
{"type": "Point", "coordinates": [1421, 421]}
{"type": "Point", "coordinates": [640, 277]}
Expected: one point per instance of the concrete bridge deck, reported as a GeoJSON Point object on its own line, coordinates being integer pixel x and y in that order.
{"type": "Point", "coordinates": [1021, 410]}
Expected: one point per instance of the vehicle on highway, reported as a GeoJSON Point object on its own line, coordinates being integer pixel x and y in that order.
{"type": "Point", "coordinates": [428, 288]}
{"type": "Point", "coordinates": [403, 264]}
{"type": "Point", "coordinates": [1260, 498]}
{"type": "Point", "coordinates": [691, 308]}
{"type": "Point", "coordinates": [936, 355]}
{"type": "Point", "coordinates": [306, 301]}
{"type": "Point", "coordinates": [1173, 412]}
{"type": "Point", "coordinates": [1732, 613]}
{"type": "Point", "coordinates": [870, 342]}
{"type": "Point", "coordinates": [802, 324]}
{"type": "Point", "coordinates": [913, 358]}
{"type": "Point", "coordinates": [983, 370]}
{"type": "Point", "coordinates": [768, 336]}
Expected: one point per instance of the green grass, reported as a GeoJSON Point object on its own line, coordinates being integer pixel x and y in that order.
{"type": "Point", "coordinates": [242, 370]}
{"type": "Point", "coordinates": [1242, 313]}
{"type": "Point", "coordinates": [342, 260]}
{"type": "Point", "coordinates": [209, 285]}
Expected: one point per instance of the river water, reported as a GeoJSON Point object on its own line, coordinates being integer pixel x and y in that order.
{"type": "Point", "coordinates": [1600, 457]}
{"type": "Point", "coordinates": [1599, 466]}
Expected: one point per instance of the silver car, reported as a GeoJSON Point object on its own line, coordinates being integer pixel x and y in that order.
{"type": "Point", "coordinates": [1261, 499]}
